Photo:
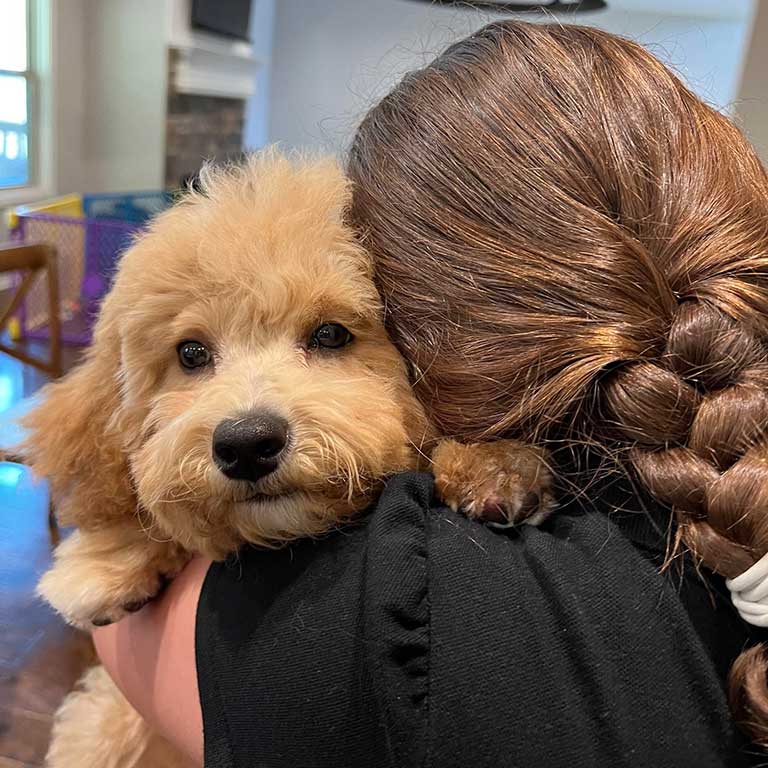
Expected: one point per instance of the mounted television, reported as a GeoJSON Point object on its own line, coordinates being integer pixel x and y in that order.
{"type": "Point", "coordinates": [222, 17]}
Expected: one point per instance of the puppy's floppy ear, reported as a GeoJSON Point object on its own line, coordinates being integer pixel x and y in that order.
{"type": "Point", "coordinates": [74, 436]}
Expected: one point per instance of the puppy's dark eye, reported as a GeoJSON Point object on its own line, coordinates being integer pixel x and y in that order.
{"type": "Point", "coordinates": [330, 336]}
{"type": "Point", "coordinates": [193, 354]}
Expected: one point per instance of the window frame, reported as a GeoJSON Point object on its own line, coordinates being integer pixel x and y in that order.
{"type": "Point", "coordinates": [40, 128]}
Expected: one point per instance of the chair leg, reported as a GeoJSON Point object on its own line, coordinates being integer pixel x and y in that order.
{"type": "Point", "coordinates": [54, 316]}
{"type": "Point", "coordinates": [53, 526]}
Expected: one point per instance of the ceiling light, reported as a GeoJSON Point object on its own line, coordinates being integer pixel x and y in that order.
{"type": "Point", "coordinates": [513, 6]}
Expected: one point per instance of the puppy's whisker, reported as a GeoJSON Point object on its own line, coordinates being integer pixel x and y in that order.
{"type": "Point", "coordinates": [197, 471]}
{"type": "Point", "coordinates": [156, 540]}
{"type": "Point", "coordinates": [419, 448]}
{"type": "Point", "coordinates": [185, 499]}
{"type": "Point", "coordinates": [147, 530]}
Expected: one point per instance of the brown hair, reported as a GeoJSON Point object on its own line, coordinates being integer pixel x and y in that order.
{"type": "Point", "coordinates": [564, 234]}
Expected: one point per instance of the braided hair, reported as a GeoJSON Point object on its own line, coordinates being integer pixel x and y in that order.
{"type": "Point", "coordinates": [564, 235]}
{"type": "Point", "coordinates": [697, 419]}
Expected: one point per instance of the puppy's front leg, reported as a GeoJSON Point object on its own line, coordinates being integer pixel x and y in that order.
{"type": "Point", "coordinates": [504, 482]}
{"type": "Point", "coordinates": [99, 576]}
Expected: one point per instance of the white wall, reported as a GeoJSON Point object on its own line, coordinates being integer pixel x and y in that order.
{"type": "Point", "coordinates": [126, 64]}
{"type": "Point", "coordinates": [68, 82]}
{"type": "Point", "coordinates": [106, 54]}
{"type": "Point", "coordinates": [333, 59]}
{"type": "Point", "coordinates": [256, 130]}
{"type": "Point", "coordinates": [752, 102]}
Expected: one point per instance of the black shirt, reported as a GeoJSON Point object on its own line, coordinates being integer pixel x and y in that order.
{"type": "Point", "coordinates": [417, 638]}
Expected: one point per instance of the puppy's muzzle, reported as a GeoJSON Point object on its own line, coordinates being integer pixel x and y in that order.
{"type": "Point", "coordinates": [250, 447]}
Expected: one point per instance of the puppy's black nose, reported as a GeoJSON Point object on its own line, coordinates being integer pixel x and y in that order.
{"type": "Point", "coordinates": [249, 448]}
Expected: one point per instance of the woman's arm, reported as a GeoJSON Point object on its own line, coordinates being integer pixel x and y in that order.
{"type": "Point", "coordinates": [151, 657]}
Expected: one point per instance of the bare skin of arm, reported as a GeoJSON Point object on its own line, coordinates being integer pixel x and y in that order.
{"type": "Point", "coordinates": [151, 657]}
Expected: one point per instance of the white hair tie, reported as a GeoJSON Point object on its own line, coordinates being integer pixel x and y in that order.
{"type": "Point", "coordinates": [749, 593]}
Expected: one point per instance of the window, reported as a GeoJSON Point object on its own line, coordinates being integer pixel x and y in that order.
{"type": "Point", "coordinates": [16, 90]}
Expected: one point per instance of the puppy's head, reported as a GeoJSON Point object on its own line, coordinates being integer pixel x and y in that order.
{"type": "Point", "coordinates": [240, 385]}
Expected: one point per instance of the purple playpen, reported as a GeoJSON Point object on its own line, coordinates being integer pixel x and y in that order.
{"type": "Point", "coordinates": [89, 234]}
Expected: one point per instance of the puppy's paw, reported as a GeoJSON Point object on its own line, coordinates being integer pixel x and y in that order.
{"type": "Point", "coordinates": [96, 581]}
{"type": "Point", "coordinates": [504, 482]}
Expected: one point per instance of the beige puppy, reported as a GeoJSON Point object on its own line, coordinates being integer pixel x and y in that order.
{"type": "Point", "coordinates": [240, 388]}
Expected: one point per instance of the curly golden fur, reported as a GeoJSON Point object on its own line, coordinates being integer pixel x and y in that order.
{"type": "Point", "coordinates": [250, 267]}
{"type": "Point", "coordinates": [259, 259]}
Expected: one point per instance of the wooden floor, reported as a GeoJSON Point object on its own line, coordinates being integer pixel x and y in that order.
{"type": "Point", "coordinates": [40, 658]}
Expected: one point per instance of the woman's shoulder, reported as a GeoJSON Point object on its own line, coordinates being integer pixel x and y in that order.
{"type": "Point", "coordinates": [425, 627]}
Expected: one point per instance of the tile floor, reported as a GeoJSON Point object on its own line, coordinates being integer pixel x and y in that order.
{"type": "Point", "coordinates": [40, 658]}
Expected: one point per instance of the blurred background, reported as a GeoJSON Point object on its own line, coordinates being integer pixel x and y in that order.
{"type": "Point", "coordinates": [116, 95]}
{"type": "Point", "coordinates": [107, 107]}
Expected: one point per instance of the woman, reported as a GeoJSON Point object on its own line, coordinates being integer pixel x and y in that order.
{"type": "Point", "coordinates": [572, 249]}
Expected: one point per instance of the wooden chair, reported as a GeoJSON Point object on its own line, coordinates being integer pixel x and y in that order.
{"type": "Point", "coordinates": [32, 261]}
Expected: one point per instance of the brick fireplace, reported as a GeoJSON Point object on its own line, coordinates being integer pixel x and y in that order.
{"type": "Point", "coordinates": [199, 126]}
